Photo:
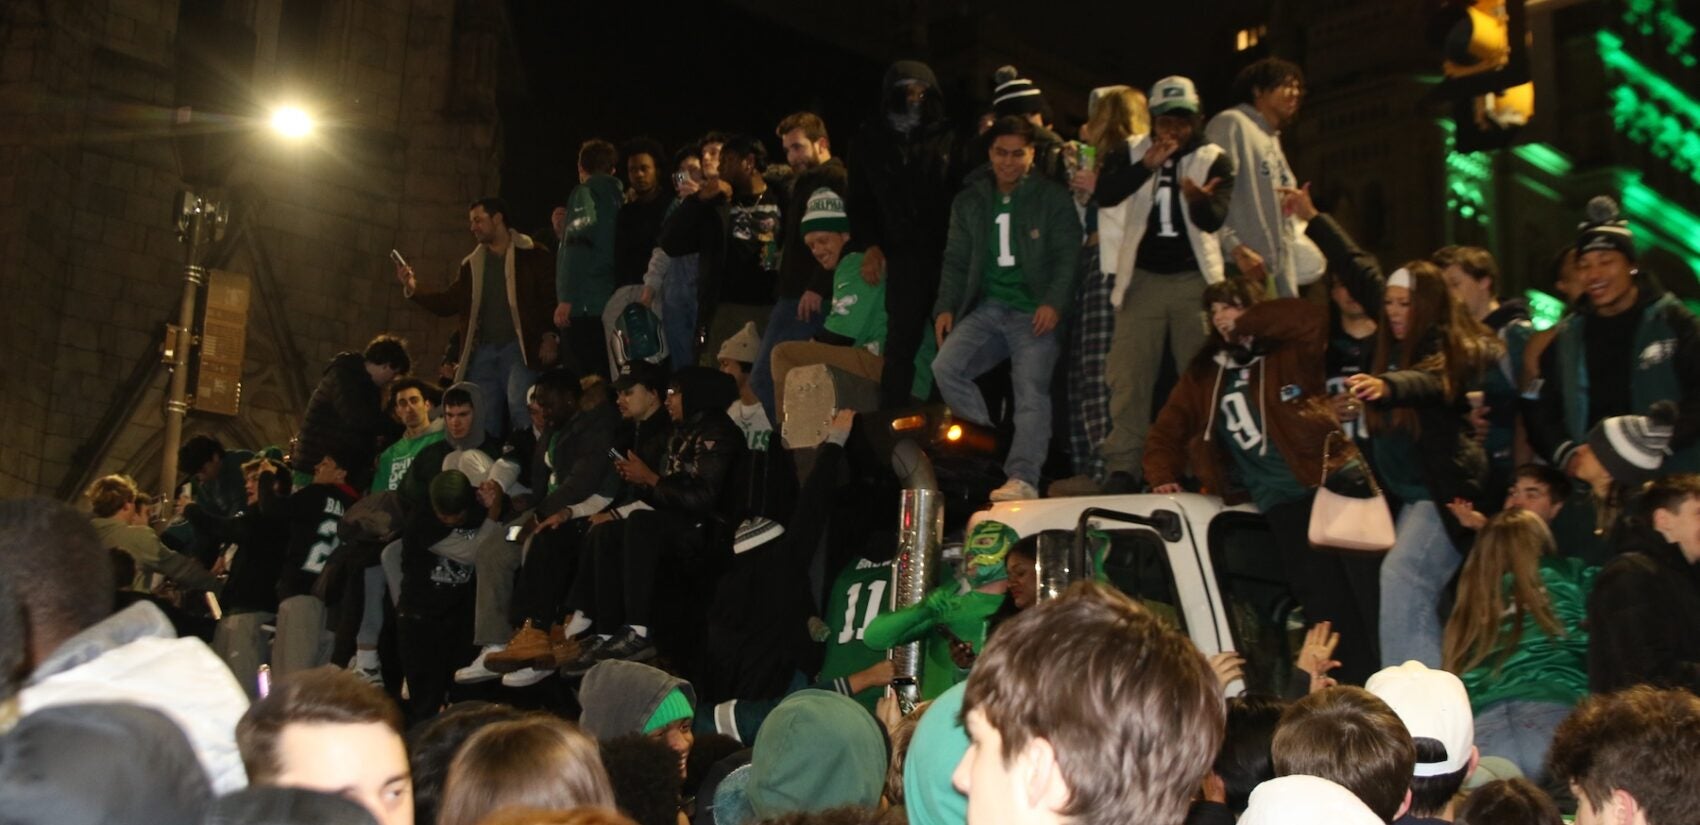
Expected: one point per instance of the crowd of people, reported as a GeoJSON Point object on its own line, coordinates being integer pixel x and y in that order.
{"type": "Point", "coordinates": [613, 560]}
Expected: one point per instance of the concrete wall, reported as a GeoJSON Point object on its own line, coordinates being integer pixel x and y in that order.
{"type": "Point", "coordinates": [90, 265]}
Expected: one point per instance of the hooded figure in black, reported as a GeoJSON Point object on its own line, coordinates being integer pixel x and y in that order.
{"type": "Point", "coordinates": [674, 537]}
{"type": "Point", "coordinates": [907, 172]}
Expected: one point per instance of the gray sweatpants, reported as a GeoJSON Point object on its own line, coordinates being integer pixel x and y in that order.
{"type": "Point", "coordinates": [497, 561]}
{"type": "Point", "coordinates": [240, 642]}
{"type": "Point", "coordinates": [1156, 307]}
{"type": "Point", "coordinates": [302, 643]}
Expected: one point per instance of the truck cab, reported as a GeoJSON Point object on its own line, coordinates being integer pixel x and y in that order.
{"type": "Point", "coordinates": [1209, 570]}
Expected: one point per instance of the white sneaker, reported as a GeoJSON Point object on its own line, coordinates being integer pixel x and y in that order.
{"type": "Point", "coordinates": [477, 672]}
{"type": "Point", "coordinates": [755, 532]}
{"type": "Point", "coordinates": [525, 678]}
{"type": "Point", "coordinates": [371, 676]}
{"type": "Point", "coordinates": [1015, 490]}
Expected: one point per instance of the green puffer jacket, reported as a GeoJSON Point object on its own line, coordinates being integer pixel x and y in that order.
{"type": "Point", "coordinates": [1045, 230]}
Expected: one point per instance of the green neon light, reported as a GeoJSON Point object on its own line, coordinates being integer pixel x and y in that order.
{"type": "Point", "coordinates": [1636, 72]}
{"type": "Point", "coordinates": [1544, 309]}
{"type": "Point", "coordinates": [1545, 158]}
{"type": "Point", "coordinates": [1538, 188]}
{"type": "Point", "coordinates": [1660, 17]}
{"type": "Point", "coordinates": [1679, 229]}
{"type": "Point", "coordinates": [1647, 109]}
{"type": "Point", "coordinates": [1469, 176]}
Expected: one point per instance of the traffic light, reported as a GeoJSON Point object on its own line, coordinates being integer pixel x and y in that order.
{"type": "Point", "coordinates": [1485, 50]}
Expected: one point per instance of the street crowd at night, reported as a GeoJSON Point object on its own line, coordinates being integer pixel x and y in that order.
{"type": "Point", "coordinates": [648, 543]}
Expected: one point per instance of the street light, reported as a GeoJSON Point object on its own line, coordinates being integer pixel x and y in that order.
{"type": "Point", "coordinates": [292, 122]}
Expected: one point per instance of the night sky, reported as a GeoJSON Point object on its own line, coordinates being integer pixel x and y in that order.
{"type": "Point", "coordinates": [601, 70]}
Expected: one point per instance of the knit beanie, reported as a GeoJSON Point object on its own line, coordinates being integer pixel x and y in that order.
{"type": "Point", "coordinates": [824, 213]}
{"type": "Point", "coordinates": [674, 706]}
{"type": "Point", "coordinates": [1013, 94]}
{"type": "Point", "coordinates": [451, 492]}
{"type": "Point", "coordinates": [1631, 447]}
{"type": "Point", "coordinates": [743, 346]}
{"type": "Point", "coordinates": [1604, 229]}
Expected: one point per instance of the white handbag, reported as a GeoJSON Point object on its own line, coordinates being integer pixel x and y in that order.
{"type": "Point", "coordinates": [1350, 522]}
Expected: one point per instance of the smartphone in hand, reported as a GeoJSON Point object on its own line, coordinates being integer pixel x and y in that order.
{"type": "Point", "coordinates": [399, 260]}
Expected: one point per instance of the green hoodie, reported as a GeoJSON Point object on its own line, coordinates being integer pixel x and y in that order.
{"type": "Point", "coordinates": [929, 796]}
{"type": "Point", "coordinates": [584, 265]}
{"type": "Point", "coordinates": [817, 750]}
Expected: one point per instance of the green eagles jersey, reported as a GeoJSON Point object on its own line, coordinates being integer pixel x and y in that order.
{"type": "Point", "coordinates": [859, 594]}
{"type": "Point", "coordinates": [393, 462]}
{"type": "Point", "coordinates": [1262, 470]}
{"type": "Point", "coordinates": [1005, 281]}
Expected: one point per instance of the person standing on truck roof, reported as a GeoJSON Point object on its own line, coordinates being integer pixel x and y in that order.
{"type": "Point", "coordinates": [1249, 419]}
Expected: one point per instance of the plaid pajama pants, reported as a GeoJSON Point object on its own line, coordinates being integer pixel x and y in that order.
{"type": "Point", "coordinates": [1089, 346]}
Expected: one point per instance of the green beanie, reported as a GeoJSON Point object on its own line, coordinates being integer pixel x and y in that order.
{"type": "Point", "coordinates": [451, 493]}
{"type": "Point", "coordinates": [825, 213]}
{"type": "Point", "coordinates": [674, 706]}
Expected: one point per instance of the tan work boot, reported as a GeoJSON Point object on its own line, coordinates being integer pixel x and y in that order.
{"type": "Point", "coordinates": [565, 649]}
{"type": "Point", "coordinates": [528, 648]}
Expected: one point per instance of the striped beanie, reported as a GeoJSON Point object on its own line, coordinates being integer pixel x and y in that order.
{"type": "Point", "coordinates": [824, 213]}
{"type": "Point", "coordinates": [1632, 447]}
{"type": "Point", "coordinates": [1014, 95]}
{"type": "Point", "coordinates": [1605, 230]}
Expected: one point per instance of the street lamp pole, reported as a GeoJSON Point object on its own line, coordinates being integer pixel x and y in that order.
{"type": "Point", "coordinates": [199, 219]}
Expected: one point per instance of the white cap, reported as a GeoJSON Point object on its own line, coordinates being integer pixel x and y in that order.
{"type": "Point", "coordinates": [1174, 93]}
{"type": "Point", "coordinates": [1305, 800]}
{"type": "Point", "coordinates": [1401, 277]}
{"type": "Point", "coordinates": [1433, 705]}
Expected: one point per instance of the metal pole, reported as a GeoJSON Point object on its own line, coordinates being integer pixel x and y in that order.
{"type": "Point", "coordinates": [191, 225]}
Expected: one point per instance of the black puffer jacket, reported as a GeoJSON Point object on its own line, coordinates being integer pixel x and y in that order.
{"type": "Point", "coordinates": [346, 410]}
{"type": "Point", "coordinates": [1453, 464]}
{"type": "Point", "coordinates": [1644, 619]}
{"type": "Point", "coordinates": [704, 448]}
{"type": "Point", "coordinates": [900, 195]}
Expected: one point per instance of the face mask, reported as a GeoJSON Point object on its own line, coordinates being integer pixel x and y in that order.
{"type": "Point", "coordinates": [985, 552]}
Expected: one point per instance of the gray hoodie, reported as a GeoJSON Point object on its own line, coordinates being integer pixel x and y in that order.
{"type": "Point", "coordinates": [476, 454]}
{"type": "Point", "coordinates": [618, 697]}
{"type": "Point", "coordinates": [1255, 217]}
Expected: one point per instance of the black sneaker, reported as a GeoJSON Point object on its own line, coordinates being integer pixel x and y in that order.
{"type": "Point", "coordinates": [627, 645]}
{"type": "Point", "coordinates": [586, 658]}
{"type": "Point", "coordinates": [1121, 483]}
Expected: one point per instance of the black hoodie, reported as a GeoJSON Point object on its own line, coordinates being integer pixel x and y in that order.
{"type": "Point", "coordinates": [1644, 619]}
{"type": "Point", "coordinates": [900, 195]}
{"type": "Point", "coordinates": [704, 447]}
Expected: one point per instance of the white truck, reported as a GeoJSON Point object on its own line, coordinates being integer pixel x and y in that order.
{"type": "Point", "coordinates": [1211, 571]}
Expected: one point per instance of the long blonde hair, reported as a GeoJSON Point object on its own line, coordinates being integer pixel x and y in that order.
{"type": "Point", "coordinates": [1117, 116]}
{"type": "Point", "coordinates": [1512, 542]}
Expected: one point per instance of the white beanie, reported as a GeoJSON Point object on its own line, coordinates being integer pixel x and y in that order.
{"type": "Point", "coordinates": [743, 346]}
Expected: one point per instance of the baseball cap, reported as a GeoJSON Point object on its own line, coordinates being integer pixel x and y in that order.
{"type": "Point", "coordinates": [1174, 94]}
{"type": "Point", "coordinates": [651, 376]}
{"type": "Point", "coordinates": [1433, 705]}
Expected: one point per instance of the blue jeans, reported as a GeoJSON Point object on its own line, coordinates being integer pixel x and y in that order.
{"type": "Point", "coordinates": [503, 379]}
{"type": "Point", "coordinates": [1521, 732]}
{"type": "Point", "coordinates": [679, 311]}
{"type": "Point", "coordinates": [980, 341]}
{"type": "Point", "coordinates": [1413, 574]}
{"type": "Point", "coordinates": [782, 326]}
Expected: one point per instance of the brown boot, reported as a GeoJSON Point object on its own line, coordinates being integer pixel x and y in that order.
{"type": "Point", "coordinates": [528, 648]}
{"type": "Point", "coordinates": [565, 649]}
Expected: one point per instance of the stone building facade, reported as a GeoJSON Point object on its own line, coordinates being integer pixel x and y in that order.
{"type": "Point", "coordinates": [93, 154]}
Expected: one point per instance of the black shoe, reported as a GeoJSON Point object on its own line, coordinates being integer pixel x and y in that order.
{"type": "Point", "coordinates": [1121, 483]}
{"type": "Point", "coordinates": [627, 645]}
{"type": "Point", "coordinates": [586, 658]}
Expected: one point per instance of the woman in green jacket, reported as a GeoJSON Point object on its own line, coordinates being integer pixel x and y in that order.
{"type": "Point", "coordinates": [1516, 639]}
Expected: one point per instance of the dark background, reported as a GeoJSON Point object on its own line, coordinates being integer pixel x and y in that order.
{"type": "Point", "coordinates": [617, 71]}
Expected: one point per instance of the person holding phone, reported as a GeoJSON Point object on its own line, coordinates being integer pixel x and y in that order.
{"type": "Point", "coordinates": [504, 295]}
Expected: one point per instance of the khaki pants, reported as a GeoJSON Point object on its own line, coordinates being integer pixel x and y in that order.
{"type": "Point", "coordinates": [240, 642]}
{"type": "Point", "coordinates": [1156, 307]}
{"type": "Point", "coordinates": [789, 355]}
{"type": "Point", "coordinates": [301, 642]}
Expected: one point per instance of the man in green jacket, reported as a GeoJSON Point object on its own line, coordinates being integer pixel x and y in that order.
{"type": "Point", "coordinates": [1009, 268]}
{"type": "Point", "coordinates": [584, 265]}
